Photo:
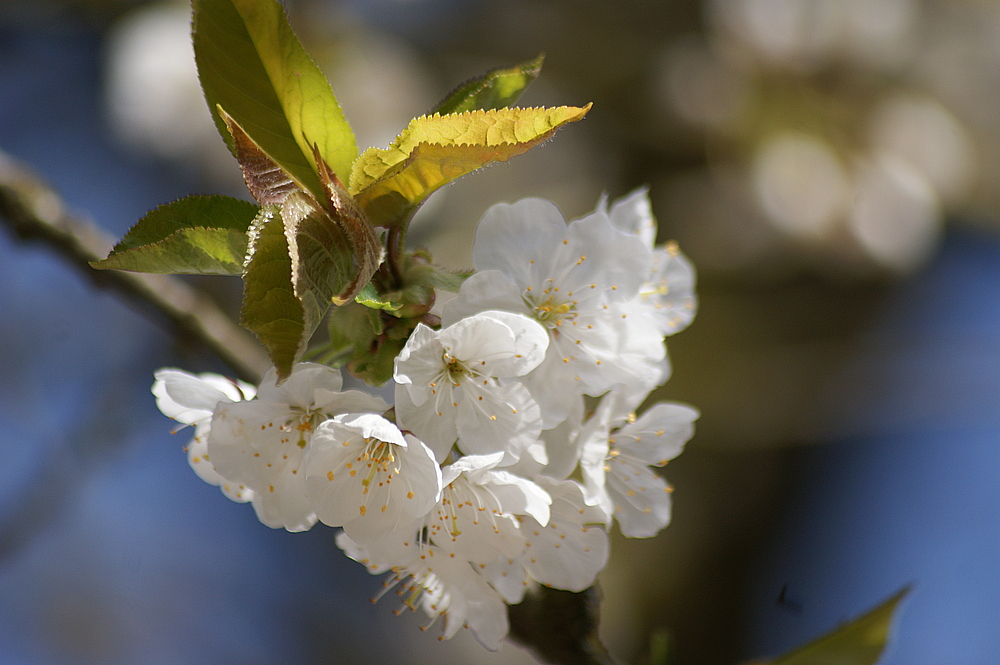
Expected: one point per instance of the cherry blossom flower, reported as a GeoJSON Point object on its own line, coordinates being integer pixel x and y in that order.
{"type": "Point", "coordinates": [260, 443]}
{"type": "Point", "coordinates": [191, 399]}
{"type": "Point", "coordinates": [475, 518]}
{"type": "Point", "coordinates": [362, 473]}
{"type": "Point", "coordinates": [566, 277]}
{"type": "Point", "coordinates": [451, 385]}
{"type": "Point", "coordinates": [668, 290]}
{"type": "Point", "coordinates": [617, 467]}
{"type": "Point", "coordinates": [567, 553]}
{"type": "Point", "coordinates": [490, 475]}
{"type": "Point", "coordinates": [442, 586]}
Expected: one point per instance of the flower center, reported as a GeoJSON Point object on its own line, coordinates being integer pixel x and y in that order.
{"type": "Point", "coordinates": [455, 370]}
{"type": "Point", "coordinates": [378, 457]}
{"type": "Point", "coordinates": [463, 507]}
{"type": "Point", "coordinates": [418, 587]}
{"type": "Point", "coordinates": [304, 422]}
{"type": "Point", "coordinates": [552, 312]}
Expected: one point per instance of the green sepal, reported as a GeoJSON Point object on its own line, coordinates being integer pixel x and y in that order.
{"type": "Point", "coordinates": [197, 235]}
{"type": "Point", "coordinates": [858, 642]}
{"type": "Point", "coordinates": [252, 64]}
{"type": "Point", "coordinates": [496, 89]}
{"type": "Point", "coordinates": [366, 341]}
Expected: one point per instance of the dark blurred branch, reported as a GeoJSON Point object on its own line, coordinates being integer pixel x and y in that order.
{"type": "Point", "coordinates": [35, 212]}
{"type": "Point", "coordinates": [560, 626]}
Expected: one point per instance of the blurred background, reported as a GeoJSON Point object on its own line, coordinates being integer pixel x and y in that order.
{"type": "Point", "coordinates": [830, 166]}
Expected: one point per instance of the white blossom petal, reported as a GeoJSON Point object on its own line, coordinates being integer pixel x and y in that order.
{"type": "Point", "coordinates": [508, 577]}
{"type": "Point", "coordinates": [428, 421]}
{"type": "Point", "coordinates": [474, 466]}
{"type": "Point", "coordinates": [486, 290]}
{"type": "Point", "coordinates": [669, 290]}
{"type": "Point", "coordinates": [520, 496]}
{"type": "Point", "coordinates": [363, 474]}
{"type": "Point", "coordinates": [512, 237]}
{"type": "Point", "coordinates": [300, 386]}
{"type": "Point", "coordinates": [497, 418]}
{"type": "Point", "coordinates": [572, 548]}
{"type": "Point", "coordinates": [190, 399]}
{"type": "Point", "coordinates": [283, 503]}
{"type": "Point", "coordinates": [564, 443]}
{"type": "Point", "coordinates": [640, 496]}
{"type": "Point", "coordinates": [531, 342]}
{"type": "Point", "coordinates": [442, 586]}
{"type": "Point", "coordinates": [633, 214]}
{"type": "Point", "coordinates": [659, 434]}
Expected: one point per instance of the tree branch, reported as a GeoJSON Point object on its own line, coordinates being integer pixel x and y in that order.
{"type": "Point", "coordinates": [34, 211]}
{"type": "Point", "coordinates": [560, 626]}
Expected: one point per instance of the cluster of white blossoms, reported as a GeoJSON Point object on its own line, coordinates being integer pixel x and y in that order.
{"type": "Point", "coordinates": [512, 443]}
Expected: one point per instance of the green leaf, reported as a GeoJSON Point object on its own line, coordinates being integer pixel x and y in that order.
{"type": "Point", "coordinates": [370, 297]}
{"type": "Point", "coordinates": [366, 248]}
{"type": "Point", "coordinates": [434, 150]}
{"type": "Point", "coordinates": [197, 235]}
{"type": "Point", "coordinates": [495, 89]}
{"type": "Point", "coordinates": [252, 64]}
{"type": "Point", "coordinates": [859, 642]}
{"type": "Point", "coordinates": [271, 308]}
{"type": "Point", "coordinates": [301, 261]}
{"type": "Point", "coordinates": [323, 265]}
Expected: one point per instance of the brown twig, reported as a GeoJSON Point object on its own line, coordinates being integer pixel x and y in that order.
{"type": "Point", "coordinates": [560, 627]}
{"type": "Point", "coordinates": [34, 211]}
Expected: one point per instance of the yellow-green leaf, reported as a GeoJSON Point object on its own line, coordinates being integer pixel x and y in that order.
{"type": "Point", "coordinates": [252, 64]}
{"type": "Point", "coordinates": [432, 151]}
{"type": "Point", "coordinates": [859, 642]}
